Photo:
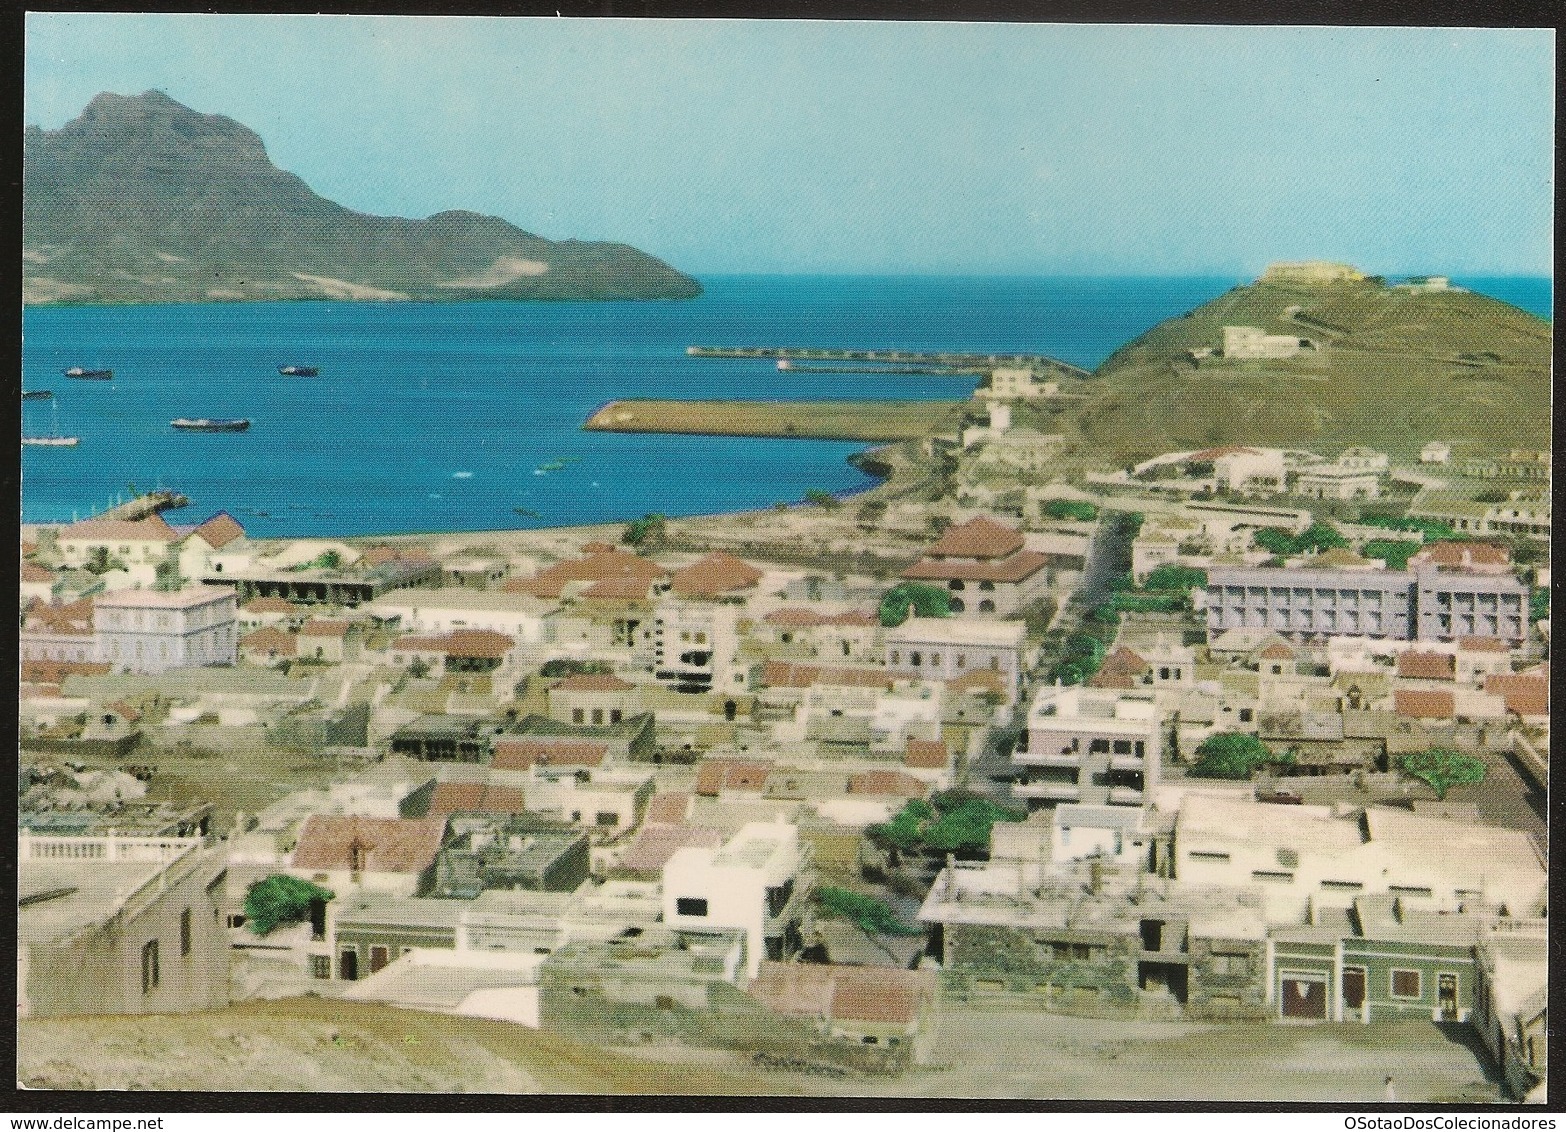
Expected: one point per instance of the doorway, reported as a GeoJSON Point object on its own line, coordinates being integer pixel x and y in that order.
{"type": "Point", "coordinates": [348, 964]}
{"type": "Point", "coordinates": [378, 958]}
{"type": "Point", "coordinates": [1354, 992]}
{"type": "Point", "coordinates": [1303, 998]}
{"type": "Point", "coordinates": [1446, 996]}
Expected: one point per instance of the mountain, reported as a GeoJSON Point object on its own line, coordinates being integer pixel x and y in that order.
{"type": "Point", "coordinates": [1396, 367]}
{"type": "Point", "coordinates": [143, 200]}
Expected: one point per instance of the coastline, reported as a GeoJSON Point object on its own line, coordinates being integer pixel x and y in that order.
{"type": "Point", "coordinates": [871, 421]}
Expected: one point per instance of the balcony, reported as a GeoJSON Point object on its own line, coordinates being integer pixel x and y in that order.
{"type": "Point", "coordinates": [1069, 760]}
{"type": "Point", "coordinates": [1135, 764]}
{"type": "Point", "coordinates": [1124, 796]}
{"type": "Point", "coordinates": [1049, 791]}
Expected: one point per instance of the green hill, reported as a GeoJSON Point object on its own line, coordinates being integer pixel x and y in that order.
{"type": "Point", "coordinates": [1396, 368]}
{"type": "Point", "coordinates": [143, 200]}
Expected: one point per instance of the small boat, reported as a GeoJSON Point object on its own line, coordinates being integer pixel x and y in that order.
{"type": "Point", "coordinates": [555, 465]}
{"type": "Point", "coordinates": [37, 394]}
{"type": "Point", "coordinates": [525, 513]}
{"type": "Point", "coordinates": [207, 424]}
{"type": "Point", "coordinates": [54, 439]}
{"type": "Point", "coordinates": [299, 371]}
{"type": "Point", "coordinates": [89, 374]}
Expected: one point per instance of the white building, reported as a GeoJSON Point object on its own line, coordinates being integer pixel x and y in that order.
{"type": "Point", "coordinates": [444, 610]}
{"type": "Point", "coordinates": [1248, 471]}
{"type": "Point", "coordinates": [948, 648]}
{"type": "Point", "coordinates": [1252, 342]}
{"type": "Point", "coordinates": [1305, 857]}
{"type": "Point", "coordinates": [693, 646]}
{"type": "Point", "coordinates": [753, 883]}
{"type": "Point", "coordinates": [1017, 385]}
{"type": "Point", "coordinates": [1092, 745]}
{"type": "Point", "coordinates": [1436, 452]}
{"type": "Point", "coordinates": [150, 631]}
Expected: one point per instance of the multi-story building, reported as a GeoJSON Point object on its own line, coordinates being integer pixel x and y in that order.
{"type": "Point", "coordinates": [1456, 604]}
{"type": "Point", "coordinates": [1248, 342]}
{"type": "Point", "coordinates": [984, 567]}
{"type": "Point", "coordinates": [150, 631]}
{"type": "Point", "coordinates": [948, 648]}
{"type": "Point", "coordinates": [692, 646]}
{"type": "Point", "coordinates": [756, 882]}
{"type": "Point", "coordinates": [1429, 604]}
{"type": "Point", "coordinates": [1088, 745]}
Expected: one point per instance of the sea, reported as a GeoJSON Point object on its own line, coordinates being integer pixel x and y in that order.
{"type": "Point", "coordinates": [467, 416]}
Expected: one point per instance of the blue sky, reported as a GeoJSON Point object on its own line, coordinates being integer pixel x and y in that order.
{"type": "Point", "coordinates": [738, 146]}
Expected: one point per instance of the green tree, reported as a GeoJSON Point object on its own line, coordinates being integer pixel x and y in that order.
{"type": "Point", "coordinates": [1442, 768]}
{"type": "Point", "coordinates": [1278, 542]}
{"type": "Point", "coordinates": [927, 601]}
{"type": "Point", "coordinates": [1539, 604]}
{"type": "Point", "coordinates": [955, 821]}
{"type": "Point", "coordinates": [1231, 754]}
{"type": "Point", "coordinates": [872, 511]}
{"type": "Point", "coordinates": [869, 913]}
{"type": "Point", "coordinates": [418, 669]}
{"type": "Point", "coordinates": [1170, 578]}
{"type": "Point", "coordinates": [649, 530]}
{"type": "Point", "coordinates": [280, 899]}
{"type": "Point", "coordinates": [1070, 509]}
{"type": "Point", "coordinates": [1321, 536]}
{"type": "Point", "coordinates": [1394, 552]}
{"type": "Point", "coordinates": [818, 498]}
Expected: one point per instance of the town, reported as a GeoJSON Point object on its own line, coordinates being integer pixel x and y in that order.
{"type": "Point", "coordinates": [1242, 734]}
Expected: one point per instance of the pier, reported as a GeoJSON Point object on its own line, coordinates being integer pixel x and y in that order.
{"type": "Point", "coordinates": [152, 503]}
{"type": "Point", "coordinates": [941, 361]}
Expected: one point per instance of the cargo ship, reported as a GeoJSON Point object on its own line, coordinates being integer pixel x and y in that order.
{"type": "Point", "coordinates": [89, 374]}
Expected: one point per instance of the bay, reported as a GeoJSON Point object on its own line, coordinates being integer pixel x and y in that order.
{"type": "Point", "coordinates": [442, 417]}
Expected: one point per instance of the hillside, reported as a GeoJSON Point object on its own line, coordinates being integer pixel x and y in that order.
{"type": "Point", "coordinates": [1397, 368]}
{"type": "Point", "coordinates": [143, 200]}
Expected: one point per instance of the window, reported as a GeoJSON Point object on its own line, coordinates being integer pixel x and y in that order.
{"type": "Point", "coordinates": [598, 716]}
{"type": "Point", "coordinates": [149, 966]}
{"type": "Point", "coordinates": [986, 606]}
{"type": "Point", "coordinates": [1272, 877]}
{"type": "Point", "coordinates": [1342, 885]}
{"type": "Point", "coordinates": [614, 715]}
{"type": "Point", "coordinates": [608, 817]}
{"type": "Point", "coordinates": [320, 966]}
{"type": "Point", "coordinates": [1229, 963]}
{"type": "Point", "coordinates": [1405, 984]}
{"type": "Point", "coordinates": [576, 715]}
{"type": "Point", "coordinates": [691, 906]}
{"type": "Point", "coordinates": [1408, 890]}
{"type": "Point", "coordinates": [184, 933]}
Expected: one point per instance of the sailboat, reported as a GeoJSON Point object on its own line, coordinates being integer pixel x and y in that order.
{"type": "Point", "coordinates": [54, 439]}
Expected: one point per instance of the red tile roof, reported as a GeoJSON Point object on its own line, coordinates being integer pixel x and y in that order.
{"type": "Point", "coordinates": [927, 754]}
{"type": "Point", "coordinates": [387, 845]}
{"type": "Point", "coordinates": [73, 619]}
{"type": "Point", "coordinates": [269, 640]}
{"type": "Point", "coordinates": [1524, 694]}
{"type": "Point", "coordinates": [980, 680]}
{"type": "Point", "coordinates": [481, 644]}
{"type": "Point", "coordinates": [124, 710]}
{"type": "Point", "coordinates": [794, 618]}
{"type": "Point", "coordinates": [520, 754]}
{"type": "Point", "coordinates": [1277, 651]}
{"type": "Point", "coordinates": [55, 671]}
{"type": "Point", "coordinates": [475, 798]}
{"type": "Point", "coordinates": [977, 538]}
{"type": "Point", "coordinates": [716, 775]}
{"type": "Point", "coordinates": [220, 530]}
{"type": "Point", "coordinates": [884, 995]}
{"type": "Point", "coordinates": [1413, 665]}
{"type": "Point", "coordinates": [1481, 644]}
{"type": "Point", "coordinates": [628, 588]}
{"type": "Point", "coordinates": [713, 576]}
{"type": "Point", "coordinates": [670, 808]}
{"type": "Point", "coordinates": [32, 572]}
{"type": "Point", "coordinates": [1460, 554]}
{"type": "Point", "coordinates": [598, 567]}
{"type": "Point", "coordinates": [593, 682]}
{"type": "Point", "coordinates": [884, 783]}
{"type": "Point", "coordinates": [151, 529]}
{"type": "Point", "coordinates": [324, 629]}
{"type": "Point", "coordinates": [654, 845]}
{"type": "Point", "coordinates": [1414, 703]}
{"type": "Point", "coordinates": [1019, 567]}
{"type": "Point", "coordinates": [1119, 670]}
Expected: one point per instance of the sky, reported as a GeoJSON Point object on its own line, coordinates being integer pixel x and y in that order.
{"type": "Point", "coordinates": [881, 148]}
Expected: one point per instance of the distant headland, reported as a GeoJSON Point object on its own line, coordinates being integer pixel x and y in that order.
{"type": "Point", "coordinates": [143, 200]}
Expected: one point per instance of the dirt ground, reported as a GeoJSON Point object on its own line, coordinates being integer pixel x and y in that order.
{"type": "Point", "coordinates": [323, 1045]}
{"type": "Point", "coordinates": [993, 1054]}
{"type": "Point", "coordinates": [330, 1045]}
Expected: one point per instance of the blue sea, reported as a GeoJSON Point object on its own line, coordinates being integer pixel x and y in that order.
{"type": "Point", "coordinates": [442, 417]}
